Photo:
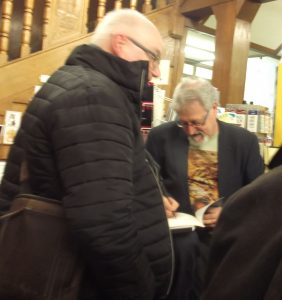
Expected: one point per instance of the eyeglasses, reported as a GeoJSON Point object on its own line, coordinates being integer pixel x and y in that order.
{"type": "Point", "coordinates": [155, 57]}
{"type": "Point", "coordinates": [193, 123]}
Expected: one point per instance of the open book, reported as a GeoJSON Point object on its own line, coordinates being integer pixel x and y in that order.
{"type": "Point", "coordinates": [183, 220]}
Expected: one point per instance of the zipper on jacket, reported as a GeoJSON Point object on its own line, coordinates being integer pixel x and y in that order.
{"type": "Point", "coordinates": [157, 179]}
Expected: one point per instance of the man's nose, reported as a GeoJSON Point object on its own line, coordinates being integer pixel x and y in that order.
{"type": "Point", "coordinates": [190, 130]}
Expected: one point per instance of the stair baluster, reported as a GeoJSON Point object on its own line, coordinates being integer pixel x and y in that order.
{"type": "Point", "coordinates": [118, 4]}
{"type": "Point", "coordinates": [101, 10]}
{"type": "Point", "coordinates": [27, 23]}
{"type": "Point", "coordinates": [147, 6]}
{"type": "Point", "coordinates": [7, 9]}
{"type": "Point", "coordinates": [133, 4]}
{"type": "Point", "coordinates": [46, 18]}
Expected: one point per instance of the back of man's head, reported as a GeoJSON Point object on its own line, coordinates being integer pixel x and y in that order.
{"type": "Point", "coordinates": [125, 21]}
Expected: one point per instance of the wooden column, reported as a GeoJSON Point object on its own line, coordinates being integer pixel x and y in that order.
{"type": "Point", "coordinates": [7, 8]}
{"type": "Point", "coordinates": [27, 23]}
{"type": "Point", "coordinates": [232, 48]}
{"type": "Point", "coordinates": [46, 18]}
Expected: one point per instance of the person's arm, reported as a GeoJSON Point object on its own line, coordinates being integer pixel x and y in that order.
{"type": "Point", "coordinates": [170, 204]}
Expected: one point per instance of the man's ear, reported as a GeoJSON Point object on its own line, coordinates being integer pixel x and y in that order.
{"type": "Point", "coordinates": [117, 44]}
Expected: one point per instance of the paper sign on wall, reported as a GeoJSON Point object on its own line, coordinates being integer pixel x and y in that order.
{"type": "Point", "coordinates": [12, 123]}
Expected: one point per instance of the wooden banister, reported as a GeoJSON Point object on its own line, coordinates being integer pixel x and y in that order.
{"type": "Point", "coordinates": [37, 35]}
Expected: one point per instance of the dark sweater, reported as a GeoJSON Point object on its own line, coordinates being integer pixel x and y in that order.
{"type": "Point", "coordinates": [246, 252]}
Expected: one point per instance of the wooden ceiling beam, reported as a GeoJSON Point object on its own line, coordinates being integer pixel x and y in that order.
{"type": "Point", "coordinates": [263, 1]}
{"type": "Point", "coordinates": [279, 50]}
{"type": "Point", "coordinates": [192, 5]}
{"type": "Point", "coordinates": [249, 10]}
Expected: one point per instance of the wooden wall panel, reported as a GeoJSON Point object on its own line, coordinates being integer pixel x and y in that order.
{"type": "Point", "coordinates": [172, 27]}
{"type": "Point", "coordinates": [19, 77]}
{"type": "Point", "coordinates": [68, 21]}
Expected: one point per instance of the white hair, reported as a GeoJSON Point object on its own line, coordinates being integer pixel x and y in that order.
{"type": "Point", "coordinates": [194, 89]}
{"type": "Point", "coordinates": [120, 21]}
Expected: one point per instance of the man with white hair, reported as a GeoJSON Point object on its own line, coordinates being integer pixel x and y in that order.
{"type": "Point", "coordinates": [201, 159]}
{"type": "Point", "coordinates": [81, 140]}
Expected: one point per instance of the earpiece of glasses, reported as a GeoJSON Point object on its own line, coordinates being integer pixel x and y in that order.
{"type": "Point", "coordinates": [155, 57]}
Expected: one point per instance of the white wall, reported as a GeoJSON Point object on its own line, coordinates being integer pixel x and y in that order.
{"type": "Point", "coordinates": [260, 86]}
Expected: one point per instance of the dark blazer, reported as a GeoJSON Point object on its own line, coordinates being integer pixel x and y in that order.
{"type": "Point", "coordinates": [239, 160]}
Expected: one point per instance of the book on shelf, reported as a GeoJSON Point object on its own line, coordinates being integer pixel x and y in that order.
{"type": "Point", "coordinates": [182, 221]}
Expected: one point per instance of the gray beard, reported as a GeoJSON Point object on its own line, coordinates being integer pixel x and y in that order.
{"type": "Point", "coordinates": [195, 144]}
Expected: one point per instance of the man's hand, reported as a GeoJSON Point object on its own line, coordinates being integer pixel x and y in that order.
{"type": "Point", "coordinates": [211, 216]}
{"type": "Point", "coordinates": [171, 205]}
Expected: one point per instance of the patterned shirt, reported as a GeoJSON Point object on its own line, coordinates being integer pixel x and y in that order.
{"type": "Point", "coordinates": [203, 174]}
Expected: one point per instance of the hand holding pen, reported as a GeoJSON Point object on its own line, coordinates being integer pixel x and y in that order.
{"type": "Point", "coordinates": [171, 206]}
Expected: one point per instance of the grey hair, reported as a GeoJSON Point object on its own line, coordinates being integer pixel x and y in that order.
{"type": "Point", "coordinates": [194, 89]}
{"type": "Point", "coordinates": [120, 21]}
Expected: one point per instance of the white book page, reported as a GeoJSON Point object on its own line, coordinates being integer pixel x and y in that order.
{"type": "Point", "coordinates": [182, 220]}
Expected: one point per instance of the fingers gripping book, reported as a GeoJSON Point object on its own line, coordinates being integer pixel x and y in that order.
{"type": "Point", "coordinates": [182, 220]}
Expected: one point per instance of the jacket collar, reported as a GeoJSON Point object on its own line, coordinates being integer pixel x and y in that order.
{"type": "Point", "coordinates": [132, 76]}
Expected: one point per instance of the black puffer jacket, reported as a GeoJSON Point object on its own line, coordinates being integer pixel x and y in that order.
{"type": "Point", "coordinates": [81, 138]}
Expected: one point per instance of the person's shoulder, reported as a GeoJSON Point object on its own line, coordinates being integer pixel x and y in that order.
{"type": "Point", "coordinates": [163, 128]}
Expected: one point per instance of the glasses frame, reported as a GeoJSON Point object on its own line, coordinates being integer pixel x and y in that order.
{"type": "Point", "coordinates": [195, 124]}
{"type": "Point", "coordinates": [155, 57]}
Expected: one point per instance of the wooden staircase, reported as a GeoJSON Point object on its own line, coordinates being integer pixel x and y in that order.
{"type": "Point", "coordinates": [43, 49]}
{"type": "Point", "coordinates": [36, 36]}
